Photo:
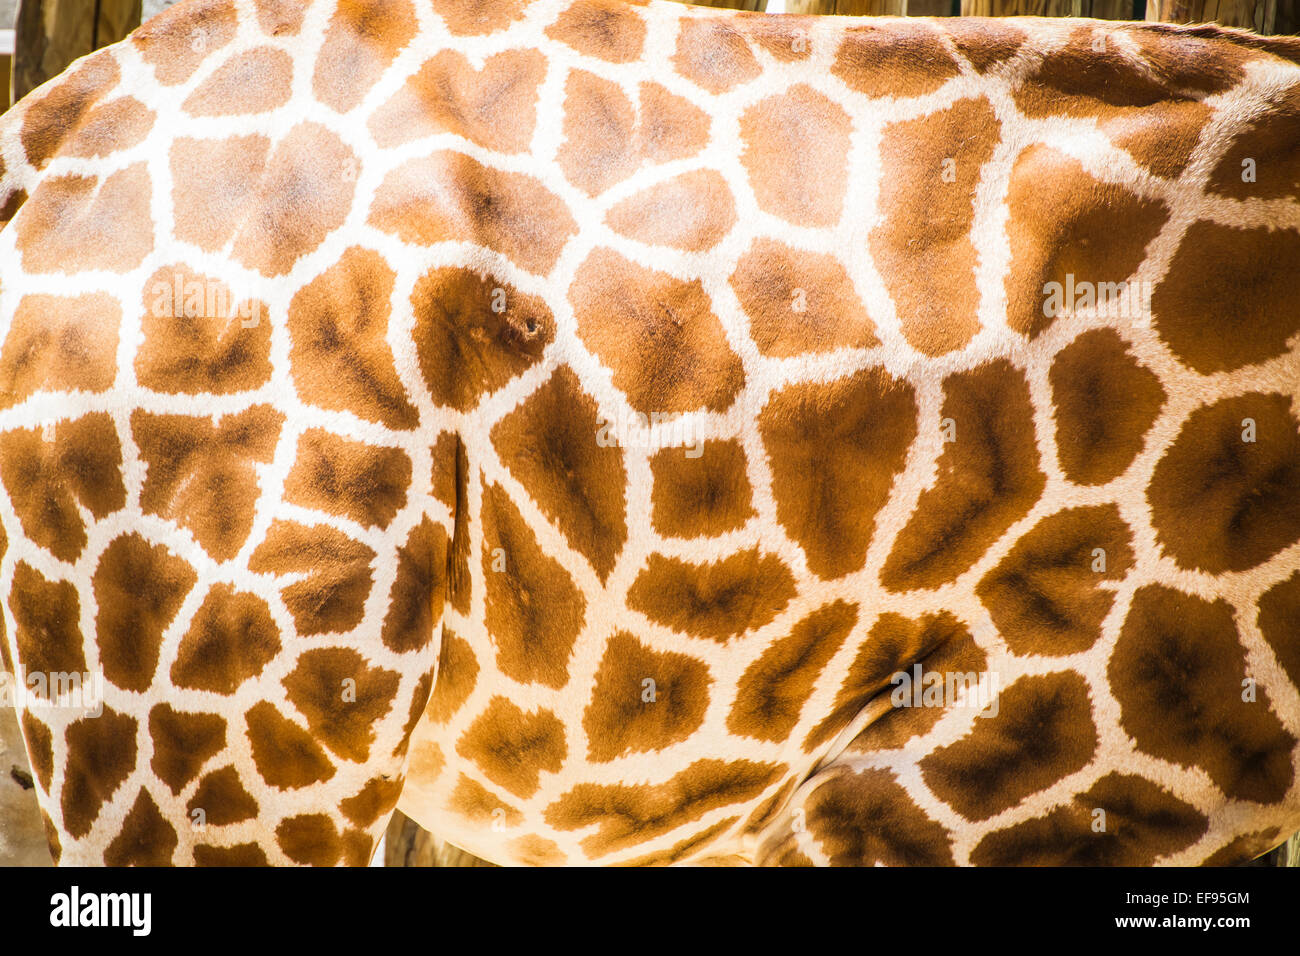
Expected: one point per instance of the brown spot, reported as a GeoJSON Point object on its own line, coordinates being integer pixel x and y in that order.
{"type": "Point", "coordinates": [773, 690]}
{"type": "Point", "coordinates": [923, 249]}
{"type": "Point", "coordinates": [604, 29]}
{"type": "Point", "coordinates": [1142, 822]}
{"type": "Point", "coordinates": [110, 128]}
{"type": "Point", "coordinates": [201, 472]}
{"type": "Point", "coordinates": [199, 338]}
{"type": "Point", "coordinates": [310, 839]}
{"type": "Point", "coordinates": [459, 580]}
{"type": "Point", "coordinates": [988, 478]}
{"type": "Point", "coordinates": [1162, 136]}
{"type": "Point", "coordinates": [286, 756]}
{"type": "Point", "coordinates": [799, 122]}
{"type": "Point", "coordinates": [177, 41]}
{"type": "Point", "coordinates": [683, 849]}
{"type": "Point", "coordinates": [1104, 403]}
{"type": "Point", "coordinates": [303, 194]}
{"type": "Point", "coordinates": [66, 107]}
{"type": "Point", "coordinates": [1045, 596]}
{"type": "Point", "coordinates": [480, 18]}
{"type": "Point", "coordinates": [624, 718]}
{"type": "Point", "coordinates": [785, 38]}
{"type": "Point", "coordinates": [215, 184]}
{"type": "Point", "coordinates": [231, 638]}
{"type": "Point", "coordinates": [40, 748]}
{"type": "Point", "coordinates": [473, 334]}
{"type": "Point", "coordinates": [1178, 670]}
{"type": "Point", "coordinates": [495, 106]}
{"type": "Point", "coordinates": [139, 588]}
{"type": "Point", "coordinates": [242, 854]}
{"type": "Point", "coordinates": [46, 615]}
{"type": "Point", "coordinates": [145, 839]}
{"type": "Point", "coordinates": [222, 798]}
{"type": "Point", "coordinates": [1218, 306]}
{"type": "Point", "coordinates": [1243, 849]}
{"type": "Point", "coordinates": [835, 450]}
{"type": "Point", "coordinates": [606, 138]}
{"type": "Point", "coordinates": [101, 753]}
{"type": "Point", "coordinates": [81, 224]}
{"type": "Point", "coordinates": [358, 847]}
{"type": "Point", "coordinates": [693, 211]}
{"type": "Point", "coordinates": [1268, 142]}
{"type": "Point", "coordinates": [513, 747]}
{"type": "Point", "coordinates": [342, 698]}
{"type": "Point", "coordinates": [534, 611]}
{"type": "Point", "coordinates": [446, 449]}
{"type": "Point", "coordinates": [182, 743]}
{"type": "Point", "coordinates": [630, 815]}
{"type": "Point", "coordinates": [340, 354]}
{"type": "Point", "coordinates": [419, 590]}
{"type": "Point", "coordinates": [55, 343]}
{"type": "Point", "coordinates": [895, 644]}
{"type": "Point", "coordinates": [280, 17]}
{"type": "Point", "coordinates": [868, 819]}
{"type": "Point", "coordinates": [1220, 503]}
{"type": "Point", "coordinates": [363, 39]}
{"type": "Point", "coordinates": [331, 597]}
{"type": "Point", "coordinates": [255, 81]}
{"type": "Point", "coordinates": [376, 799]}
{"type": "Point", "coordinates": [50, 481]}
{"type": "Point", "coordinates": [984, 42]}
{"type": "Point", "coordinates": [1067, 228]}
{"type": "Point", "coordinates": [716, 601]}
{"type": "Point", "coordinates": [472, 800]}
{"type": "Point", "coordinates": [667, 348]}
{"type": "Point", "coordinates": [799, 301]}
{"type": "Point", "coordinates": [532, 850]}
{"type": "Point", "coordinates": [901, 59]}
{"type": "Point", "coordinates": [1042, 733]}
{"type": "Point", "coordinates": [550, 446]}
{"type": "Point", "coordinates": [708, 494]}
{"type": "Point", "coordinates": [415, 711]}
{"type": "Point", "coordinates": [457, 672]}
{"type": "Point", "coordinates": [352, 479]}
{"type": "Point", "coordinates": [449, 196]}
{"type": "Point", "coordinates": [714, 55]}
{"type": "Point", "coordinates": [1279, 622]}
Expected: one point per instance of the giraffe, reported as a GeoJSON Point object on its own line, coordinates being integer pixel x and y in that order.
{"type": "Point", "coordinates": [630, 434]}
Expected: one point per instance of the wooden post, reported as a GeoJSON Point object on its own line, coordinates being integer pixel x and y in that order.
{"type": "Point", "coordinates": [50, 34]}
{"type": "Point", "coordinates": [850, 8]}
{"type": "Point", "coordinates": [408, 844]}
{"type": "Point", "coordinates": [731, 4]}
{"type": "Point", "coordinates": [1257, 15]}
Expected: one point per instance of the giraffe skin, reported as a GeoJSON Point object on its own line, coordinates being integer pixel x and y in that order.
{"type": "Point", "coordinates": [320, 322]}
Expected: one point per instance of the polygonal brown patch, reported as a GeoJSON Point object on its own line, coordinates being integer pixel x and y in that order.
{"type": "Point", "coordinates": [1279, 622]}
{"type": "Point", "coordinates": [353, 479]}
{"type": "Point", "coordinates": [483, 17]}
{"type": "Point", "coordinates": [457, 673]}
{"type": "Point", "coordinates": [534, 611]}
{"type": "Point", "coordinates": [799, 301]}
{"type": "Point", "coordinates": [1043, 732]}
{"type": "Point", "coordinates": [101, 753]}
{"type": "Point", "coordinates": [773, 690]}
{"type": "Point", "coordinates": [177, 41]}
{"type": "Point", "coordinates": [605, 29]}
{"type": "Point", "coordinates": [473, 801]}
{"type": "Point", "coordinates": [1104, 403]}
{"type": "Point", "coordinates": [310, 839]}
{"type": "Point", "coordinates": [145, 839]}
{"type": "Point", "coordinates": [65, 107]}
{"type": "Point", "coordinates": [693, 211]}
{"type": "Point", "coordinates": [1178, 671]}
{"type": "Point", "coordinates": [629, 815]}
{"type": "Point", "coordinates": [255, 81]}
{"type": "Point", "coordinates": [984, 42]}
{"type": "Point", "coordinates": [363, 39]}
{"type": "Point", "coordinates": [285, 755]}
{"type": "Point", "coordinates": [708, 494]}
{"type": "Point", "coordinates": [341, 697]}
{"type": "Point", "coordinates": [1045, 596]}
{"type": "Point", "coordinates": [550, 445]}
{"type": "Point", "coordinates": [419, 590]}
{"type": "Point", "coordinates": [1220, 502]}
{"type": "Point", "coordinates": [138, 588]}
{"type": "Point", "coordinates": [242, 854]}
{"type": "Point", "coordinates": [182, 743]}
{"type": "Point", "coordinates": [222, 798]}
{"type": "Point", "coordinates": [717, 600]}
{"type": "Point", "coordinates": [201, 472]}
{"type": "Point", "coordinates": [214, 183]}
{"type": "Point", "coordinates": [474, 334]}
{"type": "Point", "coordinates": [627, 715]}
{"type": "Point", "coordinates": [713, 54]}
{"type": "Point", "coordinates": [340, 357]}
{"type": "Point", "coordinates": [902, 59]}
{"type": "Point", "coordinates": [376, 798]}
{"type": "Point", "coordinates": [331, 597]}
{"type": "Point", "coordinates": [1266, 147]}
{"type": "Point", "coordinates": [77, 224]}
{"type": "Point", "coordinates": [514, 747]}
{"type": "Point", "coordinates": [835, 450]}
{"type": "Point", "coordinates": [987, 479]}
{"type": "Point", "coordinates": [230, 639]}
{"type": "Point", "coordinates": [46, 615]}
{"type": "Point", "coordinates": [868, 819]}
{"type": "Point", "coordinates": [59, 343]}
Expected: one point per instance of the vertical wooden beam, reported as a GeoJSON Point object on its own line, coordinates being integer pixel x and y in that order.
{"type": "Point", "coordinates": [1254, 15]}
{"type": "Point", "coordinates": [849, 8]}
{"type": "Point", "coordinates": [51, 34]}
{"type": "Point", "coordinates": [731, 4]}
{"type": "Point", "coordinates": [1022, 8]}
{"type": "Point", "coordinates": [408, 844]}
